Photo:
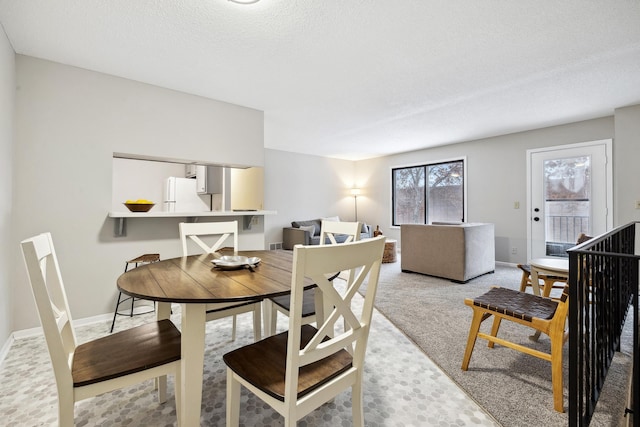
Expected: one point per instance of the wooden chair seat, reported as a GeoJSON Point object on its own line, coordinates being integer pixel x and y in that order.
{"type": "Point", "coordinates": [226, 308]}
{"type": "Point", "coordinates": [308, 303]}
{"type": "Point", "coordinates": [263, 364]}
{"type": "Point", "coordinates": [144, 259]}
{"type": "Point", "coordinates": [125, 352]}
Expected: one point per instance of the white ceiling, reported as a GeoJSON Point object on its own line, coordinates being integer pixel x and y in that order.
{"type": "Point", "coordinates": [360, 78]}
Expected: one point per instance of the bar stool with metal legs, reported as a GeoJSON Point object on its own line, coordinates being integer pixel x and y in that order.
{"type": "Point", "coordinates": [142, 259]}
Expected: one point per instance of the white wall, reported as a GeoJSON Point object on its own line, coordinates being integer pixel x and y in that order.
{"type": "Point", "coordinates": [69, 122]}
{"type": "Point", "coordinates": [302, 187]}
{"type": "Point", "coordinates": [8, 247]}
{"type": "Point", "coordinates": [626, 155]}
{"type": "Point", "coordinates": [496, 178]}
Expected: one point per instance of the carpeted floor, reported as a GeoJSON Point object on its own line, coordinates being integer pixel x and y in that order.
{"type": "Point", "coordinates": [513, 387]}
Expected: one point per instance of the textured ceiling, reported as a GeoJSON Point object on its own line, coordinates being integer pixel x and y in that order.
{"type": "Point", "coordinates": [360, 78]}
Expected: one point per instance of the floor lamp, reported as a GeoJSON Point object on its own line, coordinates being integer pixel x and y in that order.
{"type": "Point", "coordinates": [355, 192]}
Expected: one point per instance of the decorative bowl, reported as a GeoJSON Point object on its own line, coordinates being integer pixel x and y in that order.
{"type": "Point", "coordinates": [139, 207]}
{"type": "Point", "coordinates": [232, 262]}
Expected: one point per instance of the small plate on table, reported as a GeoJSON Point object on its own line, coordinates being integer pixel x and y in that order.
{"type": "Point", "coordinates": [235, 262]}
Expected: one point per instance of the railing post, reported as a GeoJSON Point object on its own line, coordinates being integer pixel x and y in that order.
{"type": "Point", "coordinates": [575, 361]}
{"type": "Point", "coordinates": [635, 379]}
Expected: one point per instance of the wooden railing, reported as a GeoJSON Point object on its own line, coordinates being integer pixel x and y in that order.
{"type": "Point", "coordinates": [603, 283]}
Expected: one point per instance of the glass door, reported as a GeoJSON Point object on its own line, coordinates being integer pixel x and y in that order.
{"type": "Point", "coordinates": [569, 194]}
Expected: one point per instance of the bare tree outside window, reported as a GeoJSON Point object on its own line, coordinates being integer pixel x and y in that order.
{"type": "Point", "coordinates": [409, 195]}
{"type": "Point", "coordinates": [446, 192]}
{"type": "Point", "coordinates": [427, 193]}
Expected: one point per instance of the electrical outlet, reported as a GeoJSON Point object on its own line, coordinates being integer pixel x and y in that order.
{"type": "Point", "coordinates": [514, 251]}
{"type": "Point", "coordinates": [637, 204]}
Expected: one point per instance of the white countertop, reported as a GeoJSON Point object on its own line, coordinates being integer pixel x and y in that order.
{"type": "Point", "coordinates": [162, 214]}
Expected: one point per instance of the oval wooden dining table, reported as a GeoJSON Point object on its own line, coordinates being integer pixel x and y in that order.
{"type": "Point", "coordinates": [194, 282]}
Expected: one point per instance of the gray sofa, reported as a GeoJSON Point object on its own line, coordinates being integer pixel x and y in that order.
{"type": "Point", "coordinates": [458, 252]}
{"type": "Point", "coordinates": [308, 233]}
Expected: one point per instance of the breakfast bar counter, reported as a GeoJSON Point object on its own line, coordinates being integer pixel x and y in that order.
{"type": "Point", "coordinates": [247, 215]}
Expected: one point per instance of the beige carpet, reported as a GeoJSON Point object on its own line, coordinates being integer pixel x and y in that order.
{"type": "Point", "coordinates": [513, 387]}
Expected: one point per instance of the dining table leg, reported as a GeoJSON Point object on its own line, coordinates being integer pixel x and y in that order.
{"type": "Point", "coordinates": [266, 317]}
{"type": "Point", "coordinates": [535, 281]}
{"type": "Point", "coordinates": [193, 338]}
{"type": "Point", "coordinates": [163, 311]}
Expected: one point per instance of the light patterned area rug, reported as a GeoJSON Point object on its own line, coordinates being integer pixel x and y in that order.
{"type": "Point", "coordinates": [513, 387]}
{"type": "Point", "coordinates": [402, 387]}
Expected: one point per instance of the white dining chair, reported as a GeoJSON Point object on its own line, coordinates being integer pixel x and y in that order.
{"type": "Point", "coordinates": [299, 370]}
{"type": "Point", "coordinates": [210, 237]}
{"type": "Point", "coordinates": [118, 360]}
{"type": "Point", "coordinates": [328, 232]}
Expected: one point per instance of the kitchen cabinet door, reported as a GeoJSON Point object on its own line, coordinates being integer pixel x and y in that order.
{"type": "Point", "coordinates": [209, 179]}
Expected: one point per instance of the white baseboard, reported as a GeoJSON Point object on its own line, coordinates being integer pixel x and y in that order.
{"type": "Point", "coordinates": [507, 264]}
{"type": "Point", "coordinates": [32, 332]}
{"type": "Point", "coordinates": [27, 333]}
{"type": "Point", "coordinates": [5, 349]}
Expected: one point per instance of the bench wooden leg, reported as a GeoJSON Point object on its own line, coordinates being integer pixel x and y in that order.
{"type": "Point", "coordinates": [471, 341]}
{"type": "Point", "coordinates": [494, 329]}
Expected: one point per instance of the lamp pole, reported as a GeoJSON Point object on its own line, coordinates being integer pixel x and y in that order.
{"type": "Point", "coordinates": [355, 203]}
{"type": "Point", "coordinates": [355, 192]}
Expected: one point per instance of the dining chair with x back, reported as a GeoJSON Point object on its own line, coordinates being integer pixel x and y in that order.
{"type": "Point", "coordinates": [219, 233]}
{"type": "Point", "coordinates": [102, 365]}
{"type": "Point", "coordinates": [273, 306]}
{"type": "Point", "coordinates": [299, 370]}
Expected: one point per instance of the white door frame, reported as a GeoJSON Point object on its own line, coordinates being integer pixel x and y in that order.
{"type": "Point", "coordinates": [608, 143]}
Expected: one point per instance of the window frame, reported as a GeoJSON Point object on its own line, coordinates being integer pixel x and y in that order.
{"type": "Point", "coordinates": [462, 159]}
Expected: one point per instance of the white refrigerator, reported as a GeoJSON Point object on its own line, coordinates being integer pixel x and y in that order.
{"type": "Point", "coordinates": [180, 195]}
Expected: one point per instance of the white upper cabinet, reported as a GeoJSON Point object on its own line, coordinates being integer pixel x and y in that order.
{"type": "Point", "coordinates": [209, 179]}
